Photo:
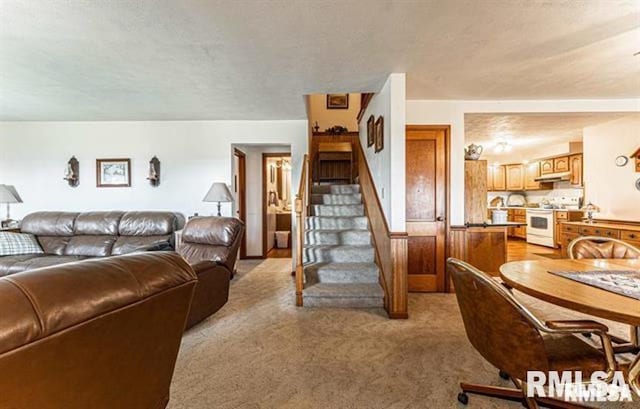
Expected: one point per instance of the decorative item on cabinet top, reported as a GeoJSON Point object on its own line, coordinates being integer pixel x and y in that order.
{"type": "Point", "coordinates": [72, 172]}
{"type": "Point", "coordinates": [154, 172]}
{"type": "Point", "coordinates": [473, 152]}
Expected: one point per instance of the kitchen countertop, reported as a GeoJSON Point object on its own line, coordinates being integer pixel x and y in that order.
{"type": "Point", "coordinates": [534, 208]}
{"type": "Point", "coordinates": [617, 226]}
{"type": "Point", "coordinates": [506, 224]}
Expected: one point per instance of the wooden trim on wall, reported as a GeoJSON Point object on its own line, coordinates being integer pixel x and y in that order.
{"type": "Point", "coordinates": [242, 188]}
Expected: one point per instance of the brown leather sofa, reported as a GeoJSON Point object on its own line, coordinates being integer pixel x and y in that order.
{"type": "Point", "coordinates": [101, 333]}
{"type": "Point", "coordinates": [210, 245]}
{"type": "Point", "coordinates": [66, 236]}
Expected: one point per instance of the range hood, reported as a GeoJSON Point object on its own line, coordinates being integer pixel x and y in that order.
{"type": "Point", "coordinates": [553, 177]}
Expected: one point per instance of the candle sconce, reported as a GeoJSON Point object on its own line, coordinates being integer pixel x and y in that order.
{"type": "Point", "coordinates": [72, 172]}
{"type": "Point", "coordinates": [154, 171]}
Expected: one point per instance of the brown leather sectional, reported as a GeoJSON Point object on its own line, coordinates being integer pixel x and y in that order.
{"type": "Point", "coordinates": [67, 236]}
{"type": "Point", "coordinates": [100, 334]}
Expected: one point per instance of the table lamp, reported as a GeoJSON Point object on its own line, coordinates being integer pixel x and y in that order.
{"type": "Point", "coordinates": [218, 192]}
{"type": "Point", "coordinates": [590, 209]}
{"type": "Point", "coordinates": [8, 195]}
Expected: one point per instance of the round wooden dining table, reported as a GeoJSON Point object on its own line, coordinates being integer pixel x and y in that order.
{"type": "Point", "coordinates": [534, 278]}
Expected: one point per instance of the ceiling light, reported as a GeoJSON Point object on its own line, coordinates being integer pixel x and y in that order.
{"type": "Point", "coordinates": [502, 146]}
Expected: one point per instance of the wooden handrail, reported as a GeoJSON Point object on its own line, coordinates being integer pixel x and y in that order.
{"type": "Point", "coordinates": [301, 208]}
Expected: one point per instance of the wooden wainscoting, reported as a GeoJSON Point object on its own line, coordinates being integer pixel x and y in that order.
{"type": "Point", "coordinates": [391, 248]}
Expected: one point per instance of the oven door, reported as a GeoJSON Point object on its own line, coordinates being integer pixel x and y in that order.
{"type": "Point", "coordinates": [540, 223]}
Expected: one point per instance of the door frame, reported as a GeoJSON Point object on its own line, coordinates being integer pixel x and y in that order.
{"type": "Point", "coordinates": [265, 156]}
{"type": "Point", "coordinates": [240, 185]}
{"type": "Point", "coordinates": [442, 286]}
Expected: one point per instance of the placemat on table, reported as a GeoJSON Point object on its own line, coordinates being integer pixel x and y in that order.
{"type": "Point", "coordinates": [623, 282]}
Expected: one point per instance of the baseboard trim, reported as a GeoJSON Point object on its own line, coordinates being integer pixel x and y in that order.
{"type": "Point", "coordinates": [253, 258]}
{"type": "Point", "coordinates": [398, 315]}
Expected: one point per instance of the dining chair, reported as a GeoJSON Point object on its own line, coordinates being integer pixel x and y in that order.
{"type": "Point", "coordinates": [590, 247]}
{"type": "Point", "coordinates": [515, 341]}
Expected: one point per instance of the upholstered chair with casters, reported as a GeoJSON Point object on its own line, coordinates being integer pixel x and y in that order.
{"type": "Point", "coordinates": [595, 247]}
{"type": "Point", "coordinates": [515, 341]}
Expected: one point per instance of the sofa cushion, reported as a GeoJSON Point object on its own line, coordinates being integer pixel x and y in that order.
{"type": "Point", "coordinates": [49, 223]}
{"type": "Point", "coordinates": [13, 244]}
{"type": "Point", "coordinates": [54, 244]}
{"type": "Point", "coordinates": [131, 244]}
{"type": "Point", "coordinates": [216, 231]}
{"type": "Point", "coordinates": [17, 264]}
{"type": "Point", "coordinates": [97, 223]}
{"type": "Point", "coordinates": [145, 223]}
{"type": "Point", "coordinates": [90, 246]}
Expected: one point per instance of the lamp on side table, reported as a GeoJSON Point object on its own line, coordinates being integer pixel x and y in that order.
{"type": "Point", "coordinates": [218, 192]}
{"type": "Point", "coordinates": [8, 195]}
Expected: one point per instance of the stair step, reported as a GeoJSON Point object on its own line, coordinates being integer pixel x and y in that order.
{"type": "Point", "coordinates": [337, 237]}
{"type": "Point", "coordinates": [345, 295]}
{"type": "Point", "coordinates": [338, 210]}
{"type": "Point", "coordinates": [330, 199]}
{"type": "Point", "coordinates": [335, 189]}
{"type": "Point", "coordinates": [338, 254]}
{"type": "Point", "coordinates": [342, 273]}
{"type": "Point", "coordinates": [336, 223]}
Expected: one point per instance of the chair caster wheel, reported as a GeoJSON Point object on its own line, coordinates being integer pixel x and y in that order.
{"type": "Point", "coordinates": [504, 375]}
{"type": "Point", "coordinates": [586, 334]}
{"type": "Point", "coordinates": [463, 398]}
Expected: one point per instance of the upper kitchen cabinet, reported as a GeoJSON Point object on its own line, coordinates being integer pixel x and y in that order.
{"type": "Point", "coordinates": [531, 173]}
{"type": "Point", "coordinates": [575, 167]}
{"type": "Point", "coordinates": [499, 178]}
{"type": "Point", "coordinates": [546, 167]}
{"type": "Point", "coordinates": [490, 178]}
{"type": "Point", "coordinates": [515, 177]}
{"type": "Point", "coordinates": [561, 164]}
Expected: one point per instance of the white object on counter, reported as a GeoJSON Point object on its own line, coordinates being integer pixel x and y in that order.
{"type": "Point", "coordinates": [499, 217]}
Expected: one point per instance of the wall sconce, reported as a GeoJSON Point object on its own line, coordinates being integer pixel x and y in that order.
{"type": "Point", "coordinates": [72, 172]}
{"type": "Point", "coordinates": [154, 171]}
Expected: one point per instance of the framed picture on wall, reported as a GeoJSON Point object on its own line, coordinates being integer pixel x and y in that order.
{"type": "Point", "coordinates": [337, 101]}
{"type": "Point", "coordinates": [113, 172]}
{"type": "Point", "coordinates": [379, 134]}
{"type": "Point", "coordinates": [371, 130]}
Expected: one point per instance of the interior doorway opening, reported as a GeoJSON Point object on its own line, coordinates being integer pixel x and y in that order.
{"type": "Point", "coordinates": [277, 205]}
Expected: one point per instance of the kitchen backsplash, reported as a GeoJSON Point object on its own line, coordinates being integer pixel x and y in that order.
{"type": "Point", "coordinates": [539, 195]}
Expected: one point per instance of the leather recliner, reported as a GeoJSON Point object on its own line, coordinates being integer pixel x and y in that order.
{"type": "Point", "coordinates": [102, 333]}
{"type": "Point", "coordinates": [210, 245]}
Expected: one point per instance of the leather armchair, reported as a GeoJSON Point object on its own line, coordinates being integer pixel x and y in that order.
{"type": "Point", "coordinates": [102, 333]}
{"type": "Point", "coordinates": [589, 247]}
{"type": "Point", "coordinates": [515, 341]}
{"type": "Point", "coordinates": [210, 245]}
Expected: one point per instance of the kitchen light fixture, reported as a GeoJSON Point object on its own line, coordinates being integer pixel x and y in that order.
{"type": "Point", "coordinates": [218, 192]}
{"type": "Point", "coordinates": [502, 146]}
{"type": "Point", "coordinates": [72, 172]}
{"type": "Point", "coordinates": [154, 172]}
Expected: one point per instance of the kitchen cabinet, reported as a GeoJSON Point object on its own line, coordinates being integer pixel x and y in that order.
{"type": "Point", "coordinates": [499, 178]}
{"type": "Point", "coordinates": [575, 167]}
{"type": "Point", "coordinates": [520, 216]}
{"type": "Point", "coordinates": [490, 178]}
{"type": "Point", "coordinates": [531, 173]}
{"type": "Point", "coordinates": [628, 232]}
{"type": "Point", "coordinates": [561, 164]}
{"type": "Point", "coordinates": [546, 167]}
{"type": "Point", "coordinates": [515, 177]}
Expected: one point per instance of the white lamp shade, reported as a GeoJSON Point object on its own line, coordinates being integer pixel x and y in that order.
{"type": "Point", "coordinates": [9, 194]}
{"type": "Point", "coordinates": [218, 192]}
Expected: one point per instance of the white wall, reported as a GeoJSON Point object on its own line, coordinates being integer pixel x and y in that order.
{"type": "Point", "coordinates": [330, 117]}
{"type": "Point", "coordinates": [610, 187]}
{"type": "Point", "coordinates": [193, 154]}
{"type": "Point", "coordinates": [387, 167]}
{"type": "Point", "coordinates": [438, 112]}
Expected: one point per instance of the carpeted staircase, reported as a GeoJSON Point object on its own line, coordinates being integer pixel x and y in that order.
{"type": "Point", "coordinates": [339, 258]}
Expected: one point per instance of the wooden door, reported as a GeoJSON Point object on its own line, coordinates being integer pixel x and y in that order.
{"type": "Point", "coordinates": [561, 164]}
{"type": "Point", "coordinates": [426, 154]}
{"type": "Point", "coordinates": [490, 178]}
{"type": "Point", "coordinates": [575, 163]}
{"type": "Point", "coordinates": [499, 178]}
{"type": "Point", "coordinates": [532, 172]}
{"type": "Point", "coordinates": [546, 167]}
{"type": "Point", "coordinates": [240, 188]}
{"type": "Point", "coordinates": [515, 177]}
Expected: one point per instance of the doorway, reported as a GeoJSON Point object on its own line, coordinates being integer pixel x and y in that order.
{"type": "Point", "coordinates": [276, 205]}
{"type": "Point", "coordinates": [240, 190]}
{"type": "Point", "coordinates": [427, 153]}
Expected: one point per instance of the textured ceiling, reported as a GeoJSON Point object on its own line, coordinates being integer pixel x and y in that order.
{"type": "Point", "coordinates": [188, 59]}
{"type": "Point", "coordinates": [529, 133]}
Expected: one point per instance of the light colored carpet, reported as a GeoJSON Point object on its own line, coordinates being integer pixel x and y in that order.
{"type": "Point", "coordinates": [260, 351]}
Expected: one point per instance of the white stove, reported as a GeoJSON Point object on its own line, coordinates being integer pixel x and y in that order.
{"type": "Point", "coordinates": [541, 223]}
